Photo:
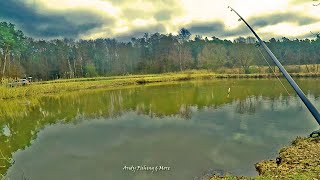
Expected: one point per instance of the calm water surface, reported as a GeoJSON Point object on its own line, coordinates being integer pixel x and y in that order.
{"type": "Point", "coordinates": [195, 128]}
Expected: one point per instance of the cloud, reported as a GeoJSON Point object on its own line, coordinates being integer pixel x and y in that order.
{"type": "Point", "coordinates": [160, 9]}
{"type": "Point", "coordinates": [163, 15]}
{"type": "Point", "coordinates": [51, 24]}
{"type": "Point", "coordinates": [139, 32]}
{"type": "Point", "coordinates": [42, 19]}
{"type": "Point", "coordinates": [217, 29]}
{"type": "Point", "coordinates": [126, 18]}
{"type": "Point", "coordinates": [205, 27]}
{"type": "Point", "coordinates": [259, 23]}
{"type": "Point", "coordinates": [241, 30]}
{"type": "Point", "coordinates": [147, 8]}
{"type": "Point", "coordinates": [221, 30]}
{"type": "Point", "coordinates": [296, 2]}
{"type": "Point", "coordinates": [273, 19]}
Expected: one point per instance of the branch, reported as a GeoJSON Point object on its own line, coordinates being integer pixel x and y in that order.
{"type": "Point", "coordinates": [3, 158]}
{"type": "Point", "coordinates": [317, 34]}
{"type": "Point", "coordinates": [9, 160]}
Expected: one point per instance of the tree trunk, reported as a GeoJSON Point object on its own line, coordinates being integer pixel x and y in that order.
{"type": "Point", "coordinates": [5, 62]}
{"type": "Point", "coordinates": [74, 67]}
{"type": "Point", "coordinates": [81, 68]}
{"type": "Point", "coordinates": [9, 65]}
{"type": "Point", "coordinates": [70, 68]}
{"type": "Point", "coordinates": [307, 68]}
{"type": "Point", "coordinates": [180, 58]}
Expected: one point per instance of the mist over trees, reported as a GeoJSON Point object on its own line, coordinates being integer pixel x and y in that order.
{"type": "Point", "coordinates": [21, 56]}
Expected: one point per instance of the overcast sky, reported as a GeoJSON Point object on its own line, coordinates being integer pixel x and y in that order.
{"type": "Point", "coordinates": [123, 19]}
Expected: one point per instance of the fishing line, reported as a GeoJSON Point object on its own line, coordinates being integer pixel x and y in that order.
{"type": "Point", "coordinates": [273, 70]}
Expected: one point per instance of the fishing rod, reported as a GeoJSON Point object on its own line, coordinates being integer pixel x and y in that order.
{"type": "Point", "coordinates": [294, 85]}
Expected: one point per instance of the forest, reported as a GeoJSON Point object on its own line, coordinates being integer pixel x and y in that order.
{"type": "Point", "coordinates": [22, 56]}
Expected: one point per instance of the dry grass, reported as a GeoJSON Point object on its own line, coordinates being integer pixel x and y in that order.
{"type": "Point", "coordinates": [69, 85]}
{"type": "Point", "coordinates": [301, 160]}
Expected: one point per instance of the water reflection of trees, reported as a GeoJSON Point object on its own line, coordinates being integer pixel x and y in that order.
{"type": "Point", "coordinates": [185, 111]}
{"type": "Point", "coordinates": [247, 106]}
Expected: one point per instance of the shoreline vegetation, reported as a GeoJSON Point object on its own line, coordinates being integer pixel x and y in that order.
{"type": "Point", "coordinates": [114, 82]}
{"type": "Point", "coordinates": [300, 160]}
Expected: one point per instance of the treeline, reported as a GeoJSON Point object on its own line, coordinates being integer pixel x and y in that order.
{"type": "Point", "coordinates": [21, 56]}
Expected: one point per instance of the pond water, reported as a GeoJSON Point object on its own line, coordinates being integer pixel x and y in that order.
{"type": "Point", "coordinates": [185, 129]}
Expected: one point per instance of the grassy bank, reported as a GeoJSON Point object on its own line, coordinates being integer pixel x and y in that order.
{"type": "Point", "coordinates": [300, 160]}
{"type": "Point", "coordinates": [69, 85]}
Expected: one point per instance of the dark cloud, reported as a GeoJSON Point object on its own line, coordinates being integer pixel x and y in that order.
{"type": "Point", "coordinates": [217, 29]}
{"type": "Point", "coordinates": [51, 24]}
{"type": "Point", "coordinates": [206, 27]}
{"type": "Point", "coordinates": [241, 30]}
{"type": "Point", "coordinates": [140, 32]}
{"type": "Point", "coordinates": [274, 19]}
{"type": "Point", "coordinates": [163, 15]}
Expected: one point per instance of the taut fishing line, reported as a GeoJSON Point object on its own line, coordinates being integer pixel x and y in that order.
{"type": "Point", "coordinates": [273, 71]}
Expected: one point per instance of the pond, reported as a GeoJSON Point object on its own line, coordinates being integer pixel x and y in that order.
{"type": "Point", "coordinates": [163, 131]}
